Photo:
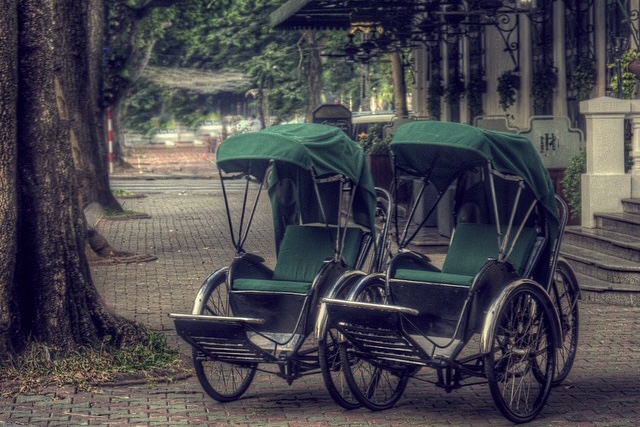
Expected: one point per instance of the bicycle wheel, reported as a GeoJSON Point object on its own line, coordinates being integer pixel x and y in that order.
{"type": "Point", "coordinates": [521, 363]}
{"type": "Point", "coordinates": [377, 386]}
{"type": "Point", "coordinates": [332, 370]}
{"type": "Point", "coordinates": [329, 351]}
{"type": "Point", "coordinates": [222, 381]}
{"type": "Point", "coordinates": [564, 294]}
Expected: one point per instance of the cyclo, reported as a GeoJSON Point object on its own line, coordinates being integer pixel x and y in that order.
{"type": "Point", "coordinates": [326, 215]}
{"type": "Point", "coordinates": [501, 309]}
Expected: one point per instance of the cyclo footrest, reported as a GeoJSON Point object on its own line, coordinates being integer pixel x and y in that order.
{"type": "Point", "coordinates": [376, 330]}
{"type": "Point", "coordinates": [220, 338]}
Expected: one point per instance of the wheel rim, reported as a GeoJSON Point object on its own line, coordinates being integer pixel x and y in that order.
{"type": "Point", "coordinates": [565, 300]}
{"type": "Point", "coordinates": [332, 371]}
{"type": "Point", "coordinates": [375, 385]}
{"type": "Point", "coordinates": [222, 381]}
{"type": "Point", "coordinates": [521, 365]}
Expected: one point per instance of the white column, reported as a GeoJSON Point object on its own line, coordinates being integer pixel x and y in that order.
{"type": "Point", "coordinates": [635, 149]}
{"type": "Point", "coordinates": [600, 27]}
{"type": "Point", "coordinates": [605, 182]}
{"type": "Point", "coordinates": [524, 98]}
{"type": "Point", "coordinates": [419, 98]}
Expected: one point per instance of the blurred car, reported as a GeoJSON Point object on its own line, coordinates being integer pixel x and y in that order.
{"type": "Point", "coordinates": [362, 123]}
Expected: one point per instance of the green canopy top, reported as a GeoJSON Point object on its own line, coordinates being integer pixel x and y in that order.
{"type": "Point", "coordinates": [251, 153]}
{"type": "Point", "coordinates": [441, 151]}
{"type": "Point", "coordinates": [296, 152]}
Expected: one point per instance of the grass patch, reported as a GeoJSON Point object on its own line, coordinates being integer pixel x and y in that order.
{"type": "Point", "coordinates": [124, 214]}
{"type": "Point", "coordinates": [38, 368]}
{"type": "Point", "coordinates": [122, 193]}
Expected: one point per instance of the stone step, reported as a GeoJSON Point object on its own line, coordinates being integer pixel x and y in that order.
{"type": "Point", "coordinates": [631, 206]}
{"type": "Point", "coordinates": [625, 223]}
{"type": "Point", "coordinates": [620, 245]}
{"type": "Point", "coordinates": [598, 291]}
{"type": "Point", "coordinates": [620, 274]}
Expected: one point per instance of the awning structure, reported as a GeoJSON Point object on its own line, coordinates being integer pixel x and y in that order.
{"type": "Point", "coordinates": [337, 14]}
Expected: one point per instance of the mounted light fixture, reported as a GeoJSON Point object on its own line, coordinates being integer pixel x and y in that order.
{"type": "Point", "coordinates": [526, 5]}
{"type": "Point", "coordinates": [380, 26]}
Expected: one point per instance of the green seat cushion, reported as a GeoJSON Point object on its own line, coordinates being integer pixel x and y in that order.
{"type": "Point", "coordinates": [432, 276]}
{"type": "Point", "coordinates": [271, 285]}
{"type": "Point", "coordinates": [304, 249]}
{"type": "Point", "coordinates": [474, 244]}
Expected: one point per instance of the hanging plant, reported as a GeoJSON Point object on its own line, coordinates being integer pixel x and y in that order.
{"type": "Point", "coordinates": [628, 79]}
{"type": "Point", "coordinates": [583, 78]}
{"type": "Point", "coordinates": [475, 88]}
{"type": "Point", "coordinates": [434, 94]}
{"type": "Point", "coordinates": [544, 81]}
{"type": "Point", "coordinates": [508, 84]}
{"type": "Point", "coordinates": [455, 89]}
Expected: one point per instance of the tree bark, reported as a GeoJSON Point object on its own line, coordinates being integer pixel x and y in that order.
{"type": "Point", "coordinates": [8, 170]}
{"type": "Point", "coordinates": [49, 296]}
{"type": "Point", "coordinates": [83, 81]}
{"type": "Point", "coordinates": [399, 86]}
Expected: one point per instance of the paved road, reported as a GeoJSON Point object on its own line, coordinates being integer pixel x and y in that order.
{"type": "Point", "coordinates": [188, 234]}
{"type": "Point", "coordinates": [176, 185]}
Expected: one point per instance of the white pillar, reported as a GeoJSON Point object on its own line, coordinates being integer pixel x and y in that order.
{"type": "Point", "coordinates": [419, 98]}
{"type": "Point", "coordinates": [605, 182]}
{"type": "Point", "coordinates": [635, 149]}
{"type": "Point", "coordinates": [524, 98]}
{"type": "Point", "coordinates": [600, 28]}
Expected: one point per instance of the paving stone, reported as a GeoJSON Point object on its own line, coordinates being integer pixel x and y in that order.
{"type": "Point", "coordinates": [189, 237]}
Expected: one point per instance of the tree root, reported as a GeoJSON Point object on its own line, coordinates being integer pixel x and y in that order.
{"type": "Point", "coordinates": [100, 252]}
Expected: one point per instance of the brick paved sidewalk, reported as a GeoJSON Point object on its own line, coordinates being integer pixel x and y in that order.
{"type": "Point", "coordinates": [188, 234]}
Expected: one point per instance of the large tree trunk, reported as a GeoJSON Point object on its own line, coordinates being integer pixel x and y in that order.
{"type": "Point", "coordinates": [399, 86]}
{"type": "Point", "coordinates": [8, 211]}
{"type": "Point", "coordinates": [50, 296]}
{"type": "Point", "coordinates": [83, 79]}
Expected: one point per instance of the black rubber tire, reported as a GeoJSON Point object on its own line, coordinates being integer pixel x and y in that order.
{"type": "Point", "coordinates": [332, 370]}
{"type": "Point", "coordinates": [223, 381]}
{"type": "Point", "coordinates": [377, 386]}
{"type": "Point", "coordinates": [521, 363]}
{"type": "Point", "coordinates": [565, 294]}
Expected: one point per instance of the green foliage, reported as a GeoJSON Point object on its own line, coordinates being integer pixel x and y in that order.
{"type": "Point", "coordinates": [475, 88]}
{"type": "Point", "coordinates": [571, 182]}
{"type": "Point", "coordinates": [372, 142]}
{"type": "Point", "coordinates": [434, 94]}
{"type": "Point", "coordinates": [544, 81]}
{"type": "Point", "coordinates": [131, 34]}
{"type": "Point", "coordinates": [508, 83]}
{"type": "Point", "coordinates": [455, 89]}
{"type": "Point", "coordinates": [226, 35]}
{"type": "Point", "coordinates": [583, 78]}
{"type": "Point", "coordinates": [628, 79]}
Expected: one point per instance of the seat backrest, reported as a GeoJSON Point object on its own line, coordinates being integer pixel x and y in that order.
{"type": "Point", "coordinates": [304, 249]}
{"type": "Point", "coordinates": [473, 244]}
